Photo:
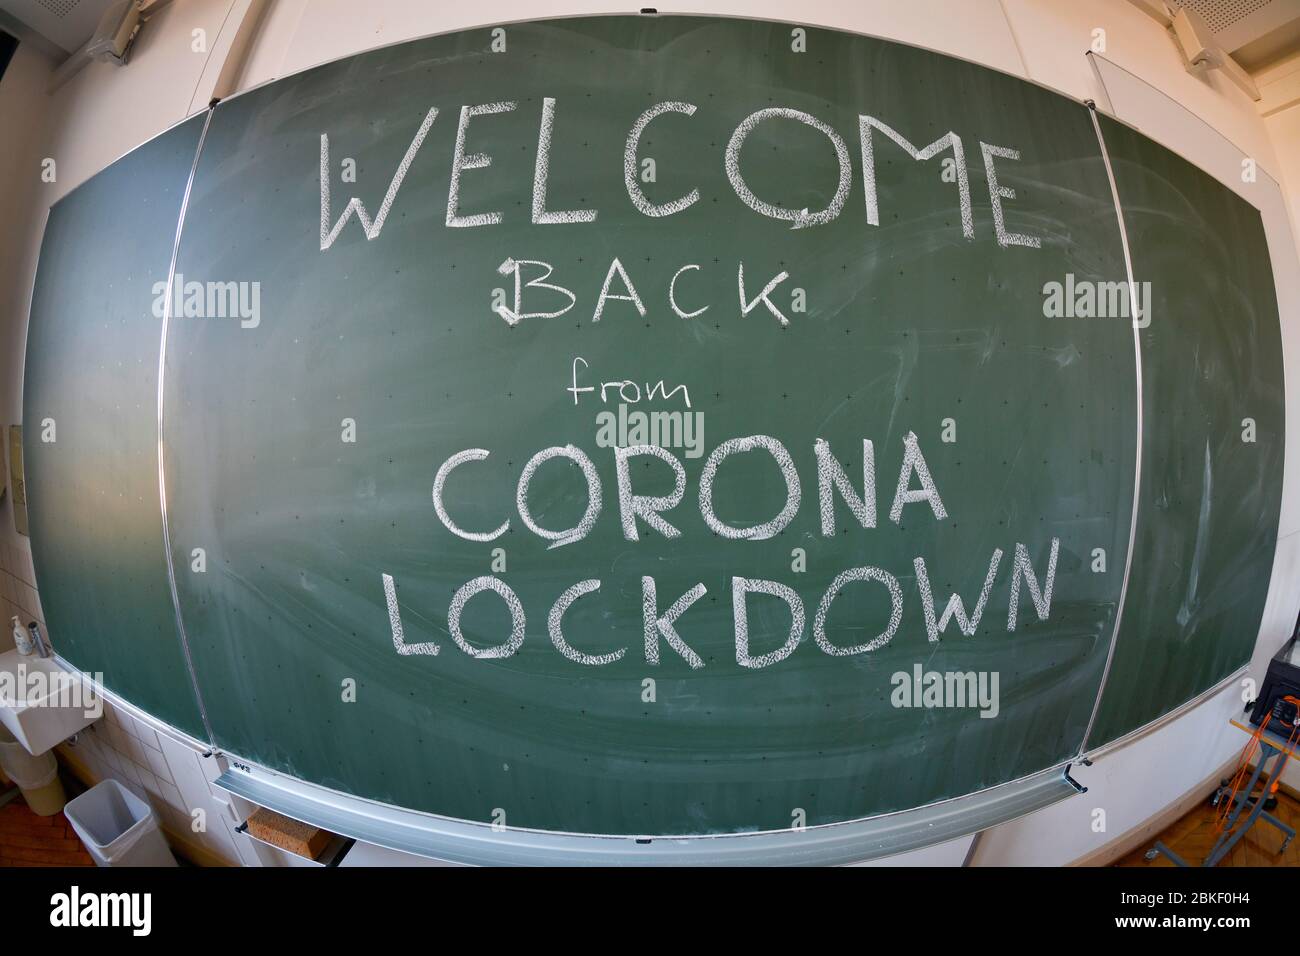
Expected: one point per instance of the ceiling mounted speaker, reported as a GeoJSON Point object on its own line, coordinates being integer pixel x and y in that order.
{"type": "Point", "coordinates": [111, 42]}
{"type": "Point", "coordinates": [1195, 39]}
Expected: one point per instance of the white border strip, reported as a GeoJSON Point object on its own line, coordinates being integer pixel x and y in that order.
{"type": "Point", "coordinates": [1137, 462]}
{"type": "Point", "coordinates": [162, 471]}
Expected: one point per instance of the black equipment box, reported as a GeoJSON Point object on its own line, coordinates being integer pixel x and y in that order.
{"type": "Point", "coordinates": [1281, 680]}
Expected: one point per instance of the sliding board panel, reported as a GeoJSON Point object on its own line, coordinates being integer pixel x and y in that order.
{"type": "Point", "coordinates": [1214, 418]}
{"type": "Point", "coordinates": [90, 400]}
{"type": "Point", "coordinates": [311, 418]}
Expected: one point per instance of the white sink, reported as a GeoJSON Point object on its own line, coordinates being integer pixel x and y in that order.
{"type": "Point", "coordinates": [42, 704]}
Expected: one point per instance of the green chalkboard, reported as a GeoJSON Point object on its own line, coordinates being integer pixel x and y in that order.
{"type": "Point", "coordinates": [1213, 409]}
{"type": "Point", "coordinates": [353, 395]}
{"type": "Point", "coordinates": [908, 323]}
{"type": "Point", "coordinates": [90, 400]}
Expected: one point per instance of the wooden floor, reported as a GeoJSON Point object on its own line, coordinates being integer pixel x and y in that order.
{"type": "Point", "coordinates": [29, 840]}
{"type": "Point", "coordinates": [1194, 835]}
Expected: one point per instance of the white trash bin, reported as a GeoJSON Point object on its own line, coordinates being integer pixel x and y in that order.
{"type": "Point", "coordinates": [117, 827]}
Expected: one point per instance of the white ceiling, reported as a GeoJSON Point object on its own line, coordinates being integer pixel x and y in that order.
{"type": "Point", "coordinates": [1255, 32]}
{"type": "Point", "coordinates": [65, 23]}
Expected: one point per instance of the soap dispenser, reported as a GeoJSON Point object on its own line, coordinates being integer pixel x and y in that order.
{"type": "Point", "coordinates": [22, 639]}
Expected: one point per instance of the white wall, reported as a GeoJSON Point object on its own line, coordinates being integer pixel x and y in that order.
{"type": "Point", "coordinates": [22, 210]}
{"type": "Point", "coordinates": [107, 110]}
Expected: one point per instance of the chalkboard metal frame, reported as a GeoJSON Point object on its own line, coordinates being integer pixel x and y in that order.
{"type": "Point", "coordinates": [460, 841]}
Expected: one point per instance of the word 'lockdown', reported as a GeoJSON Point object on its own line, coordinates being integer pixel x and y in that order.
{"type": "Point", "coordinates": [661, 628]}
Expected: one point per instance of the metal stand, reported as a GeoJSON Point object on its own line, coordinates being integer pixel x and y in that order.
{"type": "Point", "coordinates": [1232, 834]}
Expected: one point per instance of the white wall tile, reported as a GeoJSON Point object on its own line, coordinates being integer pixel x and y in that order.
{"type": "Point", "coordinates": [27, 601]}
{"type": "Point", "coordinates": [128, 772]}
{"type": "Point", "coordinates": [135, 750]}
{"type": "Point", "coordinates": [186, 773]}
{"type": "Point", "coordinates": [26, 570]}
{"type": "Point", "coordinates": [96, 767]}
{"type": "Point", "coordinates": [173, 818]}
{"type": "Point", "coordinates": [243, 845]}
{"type": "Point", "coordinates": [158, 763]}
{"type": "Point", "coordinates": [138, 790]}
{"type": "Point", "coordinates": [113, 734]}
{"type": "Point", "coordinates": [148, 737]}
{"type": "Point", "coordinates": [111, 712]}
{"type": "Point", "coordinates": [170, 794]}
{"type": "Point", "coordinates": [150, 782]}
{"type": "Point", "coordinates": [217, 836]}
{"type": "Point", "coordinates": [159, 807]}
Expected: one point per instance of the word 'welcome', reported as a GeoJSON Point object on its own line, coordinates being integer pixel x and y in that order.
{"type": "Point", "coordinates": [542, 214]}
